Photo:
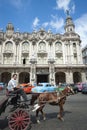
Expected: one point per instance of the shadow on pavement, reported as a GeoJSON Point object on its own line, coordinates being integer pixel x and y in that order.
{"type": "Point", "coordinates": [49, 116]}
{"type": "Point", "coordinates": [3, 123]}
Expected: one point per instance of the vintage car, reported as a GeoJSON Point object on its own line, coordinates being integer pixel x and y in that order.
{"type": "Point", "coordinates": [26, 87]}
{"type": "Point", "coordinates": [84, 88]}
{"type": "Point", "coordinates": [44, 87]}
{"type": "Point", "coordinates": [80, 86]}
{"type": "Point", "coordinates": [2, 85]}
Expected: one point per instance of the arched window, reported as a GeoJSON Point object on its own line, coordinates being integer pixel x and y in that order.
{"type": "Point", "coordinates": [74, 47]}
{"type": "Point", "coordinates": [58, 46]}
{"type": "Point", "coordinates": [42, 46]}
{"type": "Point", "coordinates": [9, 46]}
{"type": "Point", "coordinates": [25, 46]}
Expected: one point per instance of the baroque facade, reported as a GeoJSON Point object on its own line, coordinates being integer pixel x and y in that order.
{"type": "Point", "coordinates": [42, 56]}
{"type": "Point", "coordinates": [84, 54]}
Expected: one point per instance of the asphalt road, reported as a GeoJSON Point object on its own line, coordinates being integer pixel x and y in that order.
{"type": "Point", "coordinates": [75, 116]}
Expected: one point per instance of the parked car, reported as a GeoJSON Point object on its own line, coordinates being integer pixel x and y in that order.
{"type": "Point", "coordinates": [26, 87]}
{"type": "Point", "coordinates": [79, 85]}
{"type": "Point", "coordinates": [74, 87]}
{"type": "Point", "coordinates": [44, 87]}
{"type": "Point", "coordinates": [2, 85]}
{"type": "Point", "coordinates": [84, 88]}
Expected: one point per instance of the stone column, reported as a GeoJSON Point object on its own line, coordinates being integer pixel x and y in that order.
{"type": "Point", "coordinates": [14, 56]}
{"type": "Point", "coordinates": [33, 70]}
{"type": "Point", "coordinates": [51, 71]}
{"type": "Point", "coordinates": [69, 76]}
{"type": "Point", "coordinates": [79, 55]}
{"type": "Point", "coordinates": [20, 53]}
{"type": "Point", "coordinates": [71, 53]}
{"type": "Point", "coordinates": [83, 77]}
{"type": "Point", "coordinates": [64, 54]}
{"type": "Point", "coordinates": [16, 51]}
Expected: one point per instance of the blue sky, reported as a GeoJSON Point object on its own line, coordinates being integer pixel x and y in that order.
{"type": "Point", "coordinates": [30, 15]}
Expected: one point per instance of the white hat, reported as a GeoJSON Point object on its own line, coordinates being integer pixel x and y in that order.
{"type": "Point", "coordinates": [35, 107]}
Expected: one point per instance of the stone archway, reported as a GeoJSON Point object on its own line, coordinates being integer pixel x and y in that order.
{"type": "Point", "coordinates": [77, 77]}
{"type": "Point", "coordinates": [5, 77]}
{"type": "Point", "coordinates": [42, 78]}
{"type": "Point", "coordinates": [24, 77]}
{"type": "Point", "coordinates": [60, 77]}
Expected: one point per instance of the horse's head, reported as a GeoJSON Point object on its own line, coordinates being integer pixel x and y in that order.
{"type": "Point", "coordinates": [69, 90]}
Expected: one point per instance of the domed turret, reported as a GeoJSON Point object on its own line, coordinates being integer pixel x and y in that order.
{"type": "Point", "coordinates": [10, 27]}
{"type": "Point", "coordinates": [9, 30]}
{"type": "Point", "coordinates": [69, 26]}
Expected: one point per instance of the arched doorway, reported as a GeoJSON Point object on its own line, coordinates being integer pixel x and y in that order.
{"type": "Point", "coordinates": [42, 78]}
{"type": "Point", "coordinates": [5, 77]}
{"type": "Point", "coordinates": [24, 77]}
{"type": "Point", "coordinates": [60, 77]}
{"type": "Point", "coordinates": [77, 77]}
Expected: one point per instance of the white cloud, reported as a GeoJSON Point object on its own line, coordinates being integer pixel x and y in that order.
{"type": "Point", "coordinates": [45, 24]}
{"type": "Point", "coordinates": [81, 28]}
{"type": "Point", "coordinates": [56, 23]}
{"type": "Point", "coordinates": [65, 5]}
{"type": "Point", "coordinates": [20, 4]}
{"type": "Point", "coordinates": [17, 3]}
{"type": "Point", "coordinates": [36, 23]}
{"type": "Point", "coordinates": [73, 8]}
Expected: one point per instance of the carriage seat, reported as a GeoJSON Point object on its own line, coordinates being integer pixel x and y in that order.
{"type": "Point", "coordinates": [14, 97]}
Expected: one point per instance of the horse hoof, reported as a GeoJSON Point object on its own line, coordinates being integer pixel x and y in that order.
{"type": "Point", "coordinates": [60, 118]}
{"type": "Point", "coordinates": [44, 118]}
{"type": "Point", "coordinates": [38, 121]}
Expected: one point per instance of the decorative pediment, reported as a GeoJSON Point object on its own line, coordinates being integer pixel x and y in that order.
{"type": "Point", "coordinates": [8, 51]}
{"type": "Point", "coordinates": [58, 51]}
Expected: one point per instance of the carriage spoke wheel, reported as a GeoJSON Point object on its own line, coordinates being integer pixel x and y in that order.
{"type": "Point", "coordinates": [19, 120]}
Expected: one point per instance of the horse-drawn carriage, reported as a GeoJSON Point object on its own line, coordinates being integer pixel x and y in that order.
{"type": "Point", "coordinates": [19, 118]}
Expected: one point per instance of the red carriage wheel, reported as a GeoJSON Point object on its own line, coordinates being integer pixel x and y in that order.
{"type": "Point", "coordinates": [19, 120]}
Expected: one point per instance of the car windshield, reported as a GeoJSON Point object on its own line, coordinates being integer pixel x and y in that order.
{"type": "Point", "coordinates": [48, 85]}
{"type": "Point", "coordinates": [40, 84]}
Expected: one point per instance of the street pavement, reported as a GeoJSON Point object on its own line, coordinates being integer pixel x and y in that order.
{"type": "Point", "coordinates": [75, 116]}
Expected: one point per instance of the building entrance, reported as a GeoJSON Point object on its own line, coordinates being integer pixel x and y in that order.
{"type": "Point", "coordinates": [42, 78]}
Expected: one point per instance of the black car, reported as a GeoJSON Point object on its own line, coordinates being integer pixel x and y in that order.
{"type": "Point", "coordinates": [74, 87]}
{"type": "Point", "coordinates": [84, 88]}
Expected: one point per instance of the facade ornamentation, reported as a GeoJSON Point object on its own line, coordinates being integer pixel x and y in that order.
{"type": "Point", "coordinates": [42, 56]}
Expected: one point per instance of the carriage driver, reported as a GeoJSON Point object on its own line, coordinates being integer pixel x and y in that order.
{"type": "Point", "coordinates": [14, 88]}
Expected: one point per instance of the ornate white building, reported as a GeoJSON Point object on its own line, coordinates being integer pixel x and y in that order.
{"type": "Point", "coordinates": [42, 56]}
{"type": "Point", "coordinates": [84, 54]}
